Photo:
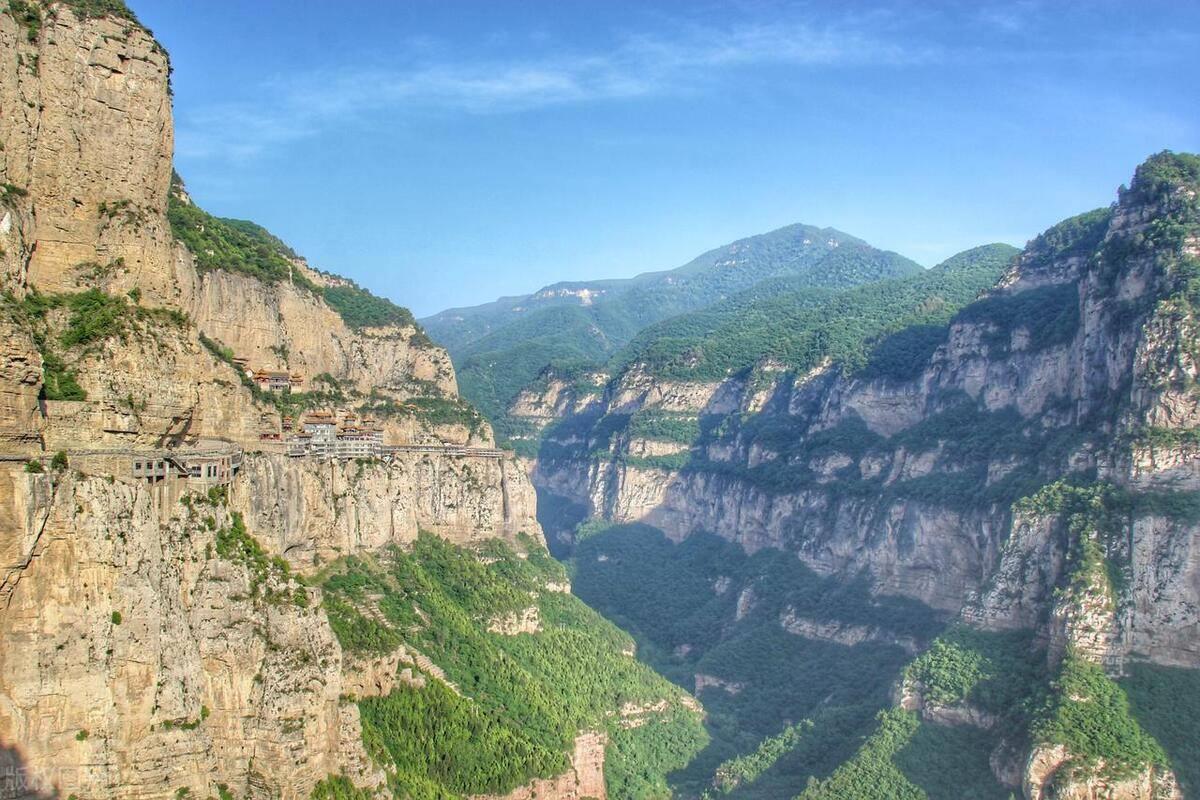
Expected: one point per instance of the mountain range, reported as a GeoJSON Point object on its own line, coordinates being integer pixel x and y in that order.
{"type": "Point", "coordinates": [799, 519]}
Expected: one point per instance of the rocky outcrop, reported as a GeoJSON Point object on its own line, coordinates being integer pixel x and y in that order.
{"type": "Point", "coordinates": [140, 658]}
{"type": "Point", "coordinates": [378, 676]}
{"type": "Point", "coordinates": [527, 620]}
{"type": "Point", "coordinates": [153, 386]}
{"type": "Point", "coordinates": [844, 633]}
{"type": "Point", "coordinates": [1044, 780]}
{"type": "Point", "coordinates": [555, 396]}
{"type": "Point", "coordinates": [703, 681]}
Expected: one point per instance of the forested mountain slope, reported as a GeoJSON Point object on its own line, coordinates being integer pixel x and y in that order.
{"type": "Point", "coordinates": [1023, 466]}
{"type": "Point", "coordinates": [500, 347]}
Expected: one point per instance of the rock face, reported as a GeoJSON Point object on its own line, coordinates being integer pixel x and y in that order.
{"type": "Point", "coordinates": [841, 632]}
{"type": "Point", "coordinates": [316, 511]}
{"type": "Point", "coordinates": [1079, 367]}
{"type": "Point", "coordinates": [1039, 782]}
{"type": "Point", "coordinates": [86, 125]}
{"type": "Point", "coordinates": [912, 478]}
{"type": "Point", "coordinates": [258, 320]}
{"type": "Point", "coordinates": [139, 658]}
{"type": "Point", "coordinates": [145, 646]}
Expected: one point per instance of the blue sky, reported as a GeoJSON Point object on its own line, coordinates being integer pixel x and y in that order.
{"type": "Point", "coordinates": [445, 153]}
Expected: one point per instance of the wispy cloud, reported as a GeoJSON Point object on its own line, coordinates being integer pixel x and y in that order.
{"type": "Point", "coordinates": [639, 65]}
{"type": "Point", "coordinates": [1011, 17]}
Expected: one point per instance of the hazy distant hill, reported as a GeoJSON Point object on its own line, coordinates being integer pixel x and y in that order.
{"type": "Point", "coordinates": [499, 347]}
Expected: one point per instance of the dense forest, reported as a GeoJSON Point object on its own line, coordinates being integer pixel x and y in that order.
{"type": "Point", "coordinates": [781, 707]}
{"type": "Point", "coordinates": [508, 706]}
{"type": "Point", "coordinates": [799, 326]}
{"type": "Point", "coordinates": [793, 715]}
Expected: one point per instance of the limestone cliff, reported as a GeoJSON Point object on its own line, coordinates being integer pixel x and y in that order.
{"type": "Point", "coordinates": [156, 638]}
{"type": "Point", "coordinates": [913, 478]}
{"type": "Point", "coordinates": [1079, 366]}
{"type": "Point", "coordinates": [315, 512]}
{"type": "Point", "coordinates": [143, 657]}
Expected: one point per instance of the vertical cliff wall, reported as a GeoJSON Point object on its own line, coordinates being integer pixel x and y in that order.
{"type": "Point", "coordinates": [1080, 363]}
{"type": "Point", "coordinates": [155, 638]}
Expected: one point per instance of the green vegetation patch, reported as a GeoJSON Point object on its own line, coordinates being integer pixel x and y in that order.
{"type": "Point", "coordinates": [28, 15]}
{"type": "Point", "coordinates": [871, 774]}
{"type": "Point", "coordinates": [1076, 236]}
{"type": "Point", "coordinates": [519, 700]}
{"type": "Point", "coordinates": [910, 760]}
{"type": "Point", "coordinates": [681, 602]}
{"type": "Point", "coordinates": [361, 309]}
{"type": "Point", "coordinates": [992, 671]}
{"type": "Point", "coordinates": [219, 244]}
{"type": "Point", "coordinates": [451, 741]}
{"type": "Point", "coordinates": [1164, 173]}
{"type": "Point", "coordinates": [748, 768]}
{"type": "Point", "coordinates": [801, 326]}
{"type": "Point", "coordinates": [664, 426]}
{"type": "Point", "coordinates": [1165, 701]}
{"type": "Point", "coordinates": [431, 410]}
{"type": "Point", "coordinates": [271, 578]}
{"type": "Point", "coordinates": [92, 318]}
{"type": "Point", "coordinates": [335, 787]}
{"type": "Point", "coordinates": [241, 246]}
{"type": "Point", "coordinates": [1089, 713]}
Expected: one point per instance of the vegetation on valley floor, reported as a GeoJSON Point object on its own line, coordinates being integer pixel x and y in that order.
{"type": "Point", "coordinates": [705, 607]}
{"type": "Point", "coordinates": [907, 759]}
{"type": "Point", "coordinates": [1165, 701]}
{"type": "Point", "coordinates": [518, 701]}
{"type": "Point", "coordinates": [989, 670]}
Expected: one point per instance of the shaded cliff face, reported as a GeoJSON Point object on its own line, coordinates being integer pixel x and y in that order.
{"type": "Point", "coordinates": [1067, 368]}
{"type": "Point", "coordinates": [1030, 468]}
